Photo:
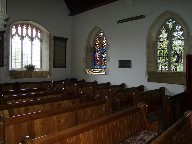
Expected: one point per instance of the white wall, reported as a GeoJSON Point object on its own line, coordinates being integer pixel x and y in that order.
{"type": "Point", "coordinates": [127, 40]}
{"type": "Point", "coordinates": [51, 14]}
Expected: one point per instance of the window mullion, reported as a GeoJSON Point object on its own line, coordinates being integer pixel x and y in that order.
{"type": "Point", "coordinates": [32, 45]}
{"type": "Point", "coordinates": [22, 38]}
{"type": "Point", "coordinates": [169, 46]}
{"type": "Point", "coordinates": [31, 50]}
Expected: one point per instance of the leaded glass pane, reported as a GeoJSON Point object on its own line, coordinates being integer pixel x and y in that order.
{"type": "Point", "coordinates": [177, 52]}
{"type": "Point", "coordinates": [170, 47]}
{"type": "Point", "coordinates": [36, 53]}
{"type": "Point", "coordinates": [26, 46]}
{"type": "Point", "coordinates": [163, 50]}
{"type": "Point", "coordinates": [16, 52]}
{"type": "Point", "coordinates": [100, 53]}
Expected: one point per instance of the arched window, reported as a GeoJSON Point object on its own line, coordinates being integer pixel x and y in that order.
{"type": "Point", "coordinates": [25, 46]}
{"type": "Point", "coordinates": [29, 43]}
{"type": "Point", "coordinates": [170, 46]}
{"type": "Point", "coordinates": [167, 48]}
{"type": "Point", "coordinates": [96, 52]}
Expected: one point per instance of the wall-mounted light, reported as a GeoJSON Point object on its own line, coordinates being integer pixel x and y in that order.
{"type": "Point", "coordinates": [3, 14]}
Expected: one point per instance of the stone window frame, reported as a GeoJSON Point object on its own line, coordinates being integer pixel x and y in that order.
{"type": "Point", "coordinates": [47, 41]}
{"type": "Point", "coordinates": [89, 53]}
{"type": "Point", "coordinates": [153, 74]}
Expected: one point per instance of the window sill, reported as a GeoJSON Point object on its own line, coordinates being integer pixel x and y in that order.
{"type": "Point", "coordinates": [167, 77]}
{"type": "Point", "coordinates": [28, 74]}
{"type": "Point", "coordinates": [96, 71]}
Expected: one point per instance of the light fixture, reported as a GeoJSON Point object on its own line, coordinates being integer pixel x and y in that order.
{"type": "Point", "coordinates": [3, 14]}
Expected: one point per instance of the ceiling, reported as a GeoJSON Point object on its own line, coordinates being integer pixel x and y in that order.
{"type": "Point", "coordinates": [78, 6]}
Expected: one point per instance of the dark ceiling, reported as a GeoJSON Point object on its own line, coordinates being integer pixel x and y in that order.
{"type": "Point", "coordinates": [78, 6]}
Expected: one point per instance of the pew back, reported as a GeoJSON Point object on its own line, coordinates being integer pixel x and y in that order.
{"type": "Point", "coordinates": [125, 95]}
{"type": "Point", "coordinates": [73, 88]}
{"type": "Point", "coordinates": [107, 91]}
{"type": "Point", "coordinates": [43, 123]}
{"type": "Point", "coordinates": [178, 133]}
{"type": "Point", "coordinates": [174, 108]}
{"type": "Point", "coordinates": [8, 99]}
{"type": "Point", "coordinates": [153, 98]}
{"type": "Point", "coordinates": [110, 129]}
{"type": "Point", "coordinates": [88, 90]}
{"type": "Point", "coordinates": [37, 105]}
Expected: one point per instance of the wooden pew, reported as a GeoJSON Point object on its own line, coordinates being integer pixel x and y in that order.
{"type": "Point", "coordinates": [153, 98]}
{"type": "Point", "coordinates": [29, 85]}
{"type": "Point", "coordinates": [22, 91]}
{"type": "Point", "coordinates": [179, 133]}
{"type": "Point", "coordinates": [9, 86]}
{"type": "Point", "coordinates": [106, 92]}
{"type": "Point", "coordinates": [59, 85]}
{"type": "Point", "coordinates": [125, 96]}
{"type": "Point", "coordinates": [6, 99]}
{"type": "Point", "coordinates": [44, 123]}
{"type": "Point", "coordinates": [72, 88]}
{"type": "Point", "coordinates": [19, 108]}
{"type": "Point", "coordinates": [88, 90]}
{"type": "Point", "coordinates": [174, 108]}
{"type": "Point", "coordinates": [111, 129]}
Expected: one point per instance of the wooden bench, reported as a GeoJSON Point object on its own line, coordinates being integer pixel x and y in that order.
{"type": "Point", "coordinates": [125, 96]}
{"type": "Point", "coordinates": [173, 108]}
{"type": "Point", "coordinates": [72, 88]}
{"type": "Point", "coordinates": [23, 85]}
{"type": "Point", "coordinates": [112, 129]}
{"type": "Point", "coordinates": [30, 96]}
{"type": "Point", "coordinates": [9, 86]}
{"type": "Point", "coordinates": [106, 92]}
{"type": "Point", "coordinates": [30, 85]}
{"type": "Point", "coordinates": [88, 90]}
{"type": "Point", "coordinates": [179, 133]}
{"type": "Point", "coordinates": [21, 91]}
{"type": "Point", "coordinates": [19, 108]}
{"type": "Point", "coordinates": [43, 123]}
{"type": "Point", "coordinates": [60, 85]}
{"type": "Point", "coordinates": [153, 98]}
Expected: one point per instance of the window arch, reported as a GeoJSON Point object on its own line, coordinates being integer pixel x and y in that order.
{"type": "Point", "coordinates": [96, 52]}
{"type": "Point", "coordinates": [29, 43]}
{"type": "Point", "coordinates": [167, 48]}
{"type": "Point", "coordinates": [170, 46]}
{"type": "Point", "coordinates": [25, 46]}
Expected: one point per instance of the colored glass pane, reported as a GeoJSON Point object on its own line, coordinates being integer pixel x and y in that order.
{"type": "Point", "coordinates": [100, 53]}
{"type": "Point", "coordinates": [170, 47]}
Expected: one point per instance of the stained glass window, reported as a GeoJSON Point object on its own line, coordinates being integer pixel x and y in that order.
{"type": "Point", "coordinates": [96, 52]}
{"type": "Point", "coordinates": [100, 51]}
{"type": "Point", "coordinates": [170, 46]}
{"type": "Point", "coordinates": [25, 46]}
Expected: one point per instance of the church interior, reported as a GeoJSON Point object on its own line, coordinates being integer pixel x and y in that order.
{"type": "Point", "coordinates": [95, 72]}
